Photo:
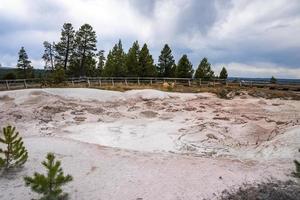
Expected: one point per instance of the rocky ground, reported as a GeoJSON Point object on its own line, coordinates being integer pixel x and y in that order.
{"type": "Point", "coordinates": [148, 144]}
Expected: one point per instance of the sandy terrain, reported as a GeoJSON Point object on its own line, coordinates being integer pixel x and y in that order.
{"type": "Point", "coordinates": [147, 144]}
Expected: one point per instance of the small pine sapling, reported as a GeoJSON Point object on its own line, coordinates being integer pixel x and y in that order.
{"type": "Point", "coordinates": [50, 185]}
{"type": "Point", "coordinates": [15, 154]}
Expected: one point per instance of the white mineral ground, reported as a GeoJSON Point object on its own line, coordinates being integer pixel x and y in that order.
{"type": "Point", "coordinates": [151, 145]}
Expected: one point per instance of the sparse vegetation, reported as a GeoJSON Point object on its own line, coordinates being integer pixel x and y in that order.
{"type": "Point", "coordinates": [272, 190]}
{"type": "Point", "coordinates": [223, 94]}
{"type": "Point", "coordinates": [296, 173]}
{"type": "Point", "coordinates": [49, 185]}
{"type": "Point", "coordinates": [15, 154]}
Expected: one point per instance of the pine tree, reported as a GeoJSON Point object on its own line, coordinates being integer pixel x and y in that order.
{"type": "Point", "coordinates": [24, 68]}
{"type": "Point", "coordinates": [15, 154]}
{"type": "Point", "coordinates": [223, 73]}
{"type": "Point", "coordinates": [101, 63]}
{"type": "Point", "coordinates": [109, 67]}
{"type": "Point", "coordinates": [65, 46]}
{"type": "Point", "coordinates": [82, 60]}
{"type": "Point", "coordinates": [49, 55]}
{"type": "Point", "coordinates": [115, 64]}
{"type": "Point", "coordinates": [184, 68]}
{"type": "Point", "coordinates": [146, 66]}
{"type": "Point", "coordinates": [132, 60]}
{"type": "Point", "coordinates": [273, 80]}
{"type": "Point", "coordinates": [204, 70]}
{"type": "Point", "coordinates": [166, 62]}
{"type": "Point", "coordinates": [49, 185]}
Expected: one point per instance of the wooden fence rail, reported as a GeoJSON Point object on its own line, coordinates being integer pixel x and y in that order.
{"type": "Point", "coordinates": [112, 81]}
{"type": "Point", "coordinates": [142, 80]}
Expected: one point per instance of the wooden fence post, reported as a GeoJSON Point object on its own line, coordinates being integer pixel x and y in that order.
{"type": "Point", "coordinates": [112, 82]}
{"type": "Point", "coordinates": [189, 82]}
{"type": "Point", "coordinates": [138, 80]}
{"type": "Point", "coordinates": [73, 83]}
{"type": "Point", "coordinates": [99, 81]}
{"type": "Point", "coordinates": [151, 81]}
{"type": "Point", "coordinates": [25, 85]}
{"type": "Point", "coordinates": [126, 82]}
{"type": "Point", "coordinates": [7, 85]}
{"type": "Point", "coordinates": [88, 81]}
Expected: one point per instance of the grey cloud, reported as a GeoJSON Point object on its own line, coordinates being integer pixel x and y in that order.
{"type": "Point", "coordinates": [199, 16]}
{"type": "Point", "coordinates": [270, 38]}
{"type": "Point", "coordinates": [144, 7]}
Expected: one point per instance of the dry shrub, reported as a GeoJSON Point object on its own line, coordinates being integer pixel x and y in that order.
{"type": "Point", "coordinates": [271, 94]}
{"type": "Point", "coordinates": [272, 190]}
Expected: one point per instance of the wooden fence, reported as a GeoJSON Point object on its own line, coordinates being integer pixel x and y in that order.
{"type": "Point", "coordinates": [101, 81]}
{"type": "Point", "coordinates": [112, 81]}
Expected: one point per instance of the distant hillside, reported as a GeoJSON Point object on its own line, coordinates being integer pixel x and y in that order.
{"type": "Point", "coordinates": [6, 70]}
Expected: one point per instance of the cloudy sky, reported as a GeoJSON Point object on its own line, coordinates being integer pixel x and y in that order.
{"type": "Point", "coordinates": [257, 38]}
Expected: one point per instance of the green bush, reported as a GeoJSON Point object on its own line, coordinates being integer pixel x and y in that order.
{"type": "Point", "coordinates": [58, 76]}
{"type": "Point", "coordinates": [10, 76]}
{"type": "Point", "coordinates": [224, 94]}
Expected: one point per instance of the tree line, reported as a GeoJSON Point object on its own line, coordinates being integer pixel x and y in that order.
{"type": "Point", "coordinates": [75, 55]}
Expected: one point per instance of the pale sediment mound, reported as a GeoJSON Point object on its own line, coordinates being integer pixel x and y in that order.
{"type": "Point", "coordinates": [201, 122]}
{"type": "Point", "coordinates": [6, 98]}
{"type": "Point", "coordinates": [149, 139]}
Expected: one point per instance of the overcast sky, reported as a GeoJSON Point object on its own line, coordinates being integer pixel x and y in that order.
{"type": "Point", "coordinates": [257, 38]}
